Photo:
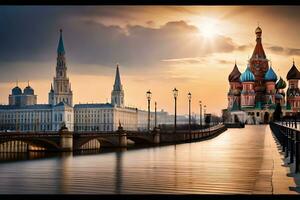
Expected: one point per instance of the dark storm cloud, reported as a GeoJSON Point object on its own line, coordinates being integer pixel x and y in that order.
{"type": "Point", "coordinates": [30, 35]}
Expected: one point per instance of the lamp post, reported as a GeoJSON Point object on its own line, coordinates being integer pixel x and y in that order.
{"type": "Point", "coordinates": [155, 119]}
{"type": "Point", "coordinates": [190, 98]}
{"type": "Point", "coordinates": [148, 94]}
{"type": "Point", "coordinates": [204, 112]}
{"type": "Point", "coordinates": [200, 103]}
{"type": "Point", "coordinates": [175, 94]}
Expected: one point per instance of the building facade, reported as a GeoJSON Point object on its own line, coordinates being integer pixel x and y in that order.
{"type": "Point", "coordinates": [23, 113]}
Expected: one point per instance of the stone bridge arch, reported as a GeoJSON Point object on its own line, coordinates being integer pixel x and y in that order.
{"type": "Point", "coordinates": [104, 141]}
{"type": "Point", "coordinates": [141, 139]}
{"type": "Point", "coordinates": [49, 145]}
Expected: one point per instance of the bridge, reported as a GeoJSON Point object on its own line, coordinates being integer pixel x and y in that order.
{"type": "Point", "coordinates": [65, 140]}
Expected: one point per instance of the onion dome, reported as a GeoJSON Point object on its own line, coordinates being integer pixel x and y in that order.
{"type": "Point", "coordinates": [281, 84]}
{"type": "Point", "coordinates": [16, 91]}
{"type": "Point", "coordinates": [293, 73]}
{"type": "Point", "coordinates": [234, 76]}
{"type": "Point", "coordinates": [28, 90]}
{"type": "Point", "coordinates": [270, 75]}
{"type": "Point", "coordinates": [247, 76]}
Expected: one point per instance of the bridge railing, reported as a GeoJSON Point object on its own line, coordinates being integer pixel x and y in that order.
{"type": "Point", "coordinates": [289, 138]}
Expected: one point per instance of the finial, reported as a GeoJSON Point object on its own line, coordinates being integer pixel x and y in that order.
{"type": "Point", "coordinates": [28, 83]}
{"type": "Point", "coordinates": [293, 61]}
{"type": "Point", "coordinates": [235, 62]}
{"type": "Point", "coordinates": [17, 82]}
{"type": "Point", "coordinates": [257, 23]}
{"type": "Point", "coordinates": [60, 30]}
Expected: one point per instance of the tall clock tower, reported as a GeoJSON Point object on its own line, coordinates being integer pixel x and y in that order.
{"type": "Point", "coordinates": [61, 89]}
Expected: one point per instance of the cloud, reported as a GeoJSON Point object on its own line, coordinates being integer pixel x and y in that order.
{"type": "Point", "coordinates": [284, 50]}
{"type": "Point", "coordinates": [221, 61]}
{"type": "Point", "coordinates": [277, 49]}
{"type": "Point", "coordinates": [185, 60]}
{"type": "Point", "coordinates": [293, 51]}
{"type": "Point", "coordinates": [89, 43]}
{"type": "Point", "coordinates": [244, 47]}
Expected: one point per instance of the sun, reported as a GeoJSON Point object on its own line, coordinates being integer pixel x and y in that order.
{"type": "Point", "coordinates": [208, 27]}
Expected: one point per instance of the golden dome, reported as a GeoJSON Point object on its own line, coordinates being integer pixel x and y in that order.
{"type": "Point", "coordinates": [258, 30]}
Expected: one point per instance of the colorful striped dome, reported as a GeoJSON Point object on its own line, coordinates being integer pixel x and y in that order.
{"type": "Point", "coordinates": [270, 75]}
{"type": "Point", "coordinates": [247, 76]}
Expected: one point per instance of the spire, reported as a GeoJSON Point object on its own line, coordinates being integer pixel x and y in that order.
{"type": "Point", "coordinates": [60, 48]}
{"type": "Point", "coordinates": [258, 50]}
{"type": "Point", "coordinates": [28, 83]}
{"type": "Point", "coordinates": [117, 85]}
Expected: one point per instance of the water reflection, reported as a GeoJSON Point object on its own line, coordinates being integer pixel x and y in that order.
{"type": "Point", "coordinates": [119, 169]}
{"type": "Point", "coordinates": [228, 163]}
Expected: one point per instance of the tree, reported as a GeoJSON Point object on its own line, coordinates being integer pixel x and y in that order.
{"type": "Point", "coordinates": [277, 115]}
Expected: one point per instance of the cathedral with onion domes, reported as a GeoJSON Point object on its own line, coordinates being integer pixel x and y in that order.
{"type": "Point", "coordinates": [254, 94]}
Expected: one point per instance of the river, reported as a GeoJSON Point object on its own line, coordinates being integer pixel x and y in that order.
{"type": "Point", "coordinates": [226, 164]}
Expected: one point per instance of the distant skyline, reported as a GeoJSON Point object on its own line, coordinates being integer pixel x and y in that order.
{"type": "Point", "coordinates": [192, 48]}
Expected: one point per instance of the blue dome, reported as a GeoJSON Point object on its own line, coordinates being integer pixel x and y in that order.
{"type": "Point", "coordinates": [28, 90]}
{"type": "Point", "coordinates": [270, 75]}
{"type": "Point", "coordinates": [16, 91]}
{"type": "Point", "coordinates": [247, 76]}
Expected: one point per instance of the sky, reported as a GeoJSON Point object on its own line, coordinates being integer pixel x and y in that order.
{"type": "Point", "coordinates": [192, 48]}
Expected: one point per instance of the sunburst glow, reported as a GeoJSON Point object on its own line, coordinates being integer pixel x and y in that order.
{"type": "Point", "coordinates": [209, 27]}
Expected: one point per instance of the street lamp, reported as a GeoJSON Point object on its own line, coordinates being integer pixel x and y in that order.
{"type": "Point", "coordinates": [200, 114]}
{"type": "Point", "coordinates": [190, 98]}
{"type": "Point", "coordinates": [204, 112]}
{"type": "Point", "coordinates": [148, 94]}
{"type": "Point", "coordinates": [155, 119]}
{"type": "Point", "coordinates": [175, 94]}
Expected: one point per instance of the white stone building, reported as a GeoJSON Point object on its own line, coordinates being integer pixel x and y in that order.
{"type": "Point", "coordinates": [24, 114]}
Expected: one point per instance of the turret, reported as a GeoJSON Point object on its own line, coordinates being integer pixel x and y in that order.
{"type": "Point", "coordinates": [270, 79]}
{"type": "Point", "coordinates": [280, 94]}
{"type": "Point", "coordinates": [234, 94]}
{"type": "Point", "coordinates": [293, 92]}
{"type": "Point", "coordinates": [248, 93]}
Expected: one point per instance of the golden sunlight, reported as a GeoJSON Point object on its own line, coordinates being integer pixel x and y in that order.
{"type": "Point", "coordinates": [208, 27]}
